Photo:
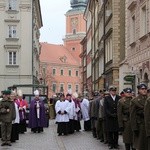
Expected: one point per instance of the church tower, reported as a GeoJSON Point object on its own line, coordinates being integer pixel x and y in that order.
{"type": "Point", "coordinates": [75, 27]}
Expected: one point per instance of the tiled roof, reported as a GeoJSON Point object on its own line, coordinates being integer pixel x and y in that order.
{"type": "Point", "coordinates": [58, 54]}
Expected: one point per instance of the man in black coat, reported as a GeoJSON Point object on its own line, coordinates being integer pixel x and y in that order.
{"type": "Point", "coordinates": [110, 110]}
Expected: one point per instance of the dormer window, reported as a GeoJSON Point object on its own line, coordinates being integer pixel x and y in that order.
{"type": "Point", "coordinates": [73, 48]}
{"type": "Point", "coordinates": [63, 58]}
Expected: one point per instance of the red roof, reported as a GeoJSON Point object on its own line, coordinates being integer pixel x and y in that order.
{"type": "Point", "coordinates": [58, 54]}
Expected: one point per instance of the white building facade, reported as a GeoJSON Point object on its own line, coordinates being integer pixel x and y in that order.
{"type": "Point", "coordinates": [20, 21]}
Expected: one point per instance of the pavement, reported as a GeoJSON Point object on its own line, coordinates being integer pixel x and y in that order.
{"type": "Point", "coordinates": [49, 140]}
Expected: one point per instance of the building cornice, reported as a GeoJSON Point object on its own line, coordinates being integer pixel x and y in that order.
{"type": "Point", "coordinates": [38, 9]}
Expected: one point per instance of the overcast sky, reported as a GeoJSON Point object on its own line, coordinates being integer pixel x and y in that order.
{"type": "Point", "coordinates": [54, 21]}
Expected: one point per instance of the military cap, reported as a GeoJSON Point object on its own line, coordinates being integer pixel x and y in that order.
{"type": "Point", "coordinates": [62, 95]}
{"type": "Point", "coordinates": [106, 93]}
{"type": "Point", "coordinates": [7, 92]}
{"type": "Point", "coordinates": [80, 95]}
{"type": "Point", "coordinates": [142, 86]}
{"type": "Point", "coordinates": [68, 94]}
{"type": "Point", "coordinates": [95, 93]}
{"type": "Point", "coordinates": [127, 90]}
{"type": "Point", "coordinates": [112, 87]}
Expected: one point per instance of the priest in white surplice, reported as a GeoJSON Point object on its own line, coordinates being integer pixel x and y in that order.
{"type": "Point", "coordinates": [72, 113]}
{"type": "Point", "coordinates": [85, 113]}
{"type": "Point", "coordinates": [62, 115]}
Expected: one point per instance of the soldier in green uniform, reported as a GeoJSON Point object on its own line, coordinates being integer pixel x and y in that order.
{"type": "Point", "coordinates": [137, 118]}
{"type": "Point", "coordinates": [7, 115]}
{"type": "Point", "coordinates": [147, 119]}
{"type": "Point", "coordinates": [123, 112]}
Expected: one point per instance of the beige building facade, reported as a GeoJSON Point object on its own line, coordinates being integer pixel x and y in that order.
{"type": "Point", "coordinates": [107, 42]}
{"type": "Point", "coordinates": [20, 21]}
{"type": "Point", "coordinates": [138, 40]}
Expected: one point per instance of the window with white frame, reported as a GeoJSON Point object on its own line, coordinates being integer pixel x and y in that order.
{"type": "Point", "coordinates": [109, 49]}
{"type": "Point", "coordinates": [69, 87]}
{"type": "Point", "coordinates": [132, 28]}
{"type": "Point", "coordinates": [61, 87]}
{"type": "Point", "coordinates": [12, 31]}
{"type": "Point", "coordinates": [12, 58]}
{"type": "Point", "coordinates": [77, 73]}
{"type": "Point", "coordinates": [69, 72]}
{"type": "Point", "coordinates": [143, 22]}
{"type": "Point", "coordinates": [77, 88]}
{"type": "Point", "coordinates": [12, 4]}
{"type": "Point", "coordinates": [61, 72]}
{"type": "Point", "coordinates": [54, 87]}
{"type": "Point", "coordinates": [54, 71]}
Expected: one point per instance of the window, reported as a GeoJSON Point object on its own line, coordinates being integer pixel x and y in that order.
{"type": "Point", "coordinates": [132, 35]}
{"type": "Point", "coordinates": [69, 87]}
{"type": "Point", "coordinates": [44, 70]}
{"type": "Point", "coordinates": [74, 31]}
{"type": "Point", "coordinates": [54, 72]}
{"type": "Point", "coordinates": [109, 50]}
{"type": "Point", "coordinates": [12, 58]}
{"type": "Point", "coordinates": [54, 87]}
{"type": "Point", "coordinates": [69, 72]}
{"type": "Point", "coordinates": [12, 4]}
{"type": "Point", "coordinates": [61, 72]}
{"type": "Point", "coordinates": [143, 20]}
{"type": "Point", "coordinates": [61, 87]}
{"type": "Point", "coordinates": [12, 31]}
{"type": "Point", "coordinates": [77, 88]}
{"type": "Point", "coordinates": [73, 48]}
{"type": "Point", "coordinates": [77, 73]}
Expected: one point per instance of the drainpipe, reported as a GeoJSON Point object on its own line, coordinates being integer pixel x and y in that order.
{"type": "Point", "coordinates": [32, 43]}
{"type": "Point", "coordinates": [104, 48]}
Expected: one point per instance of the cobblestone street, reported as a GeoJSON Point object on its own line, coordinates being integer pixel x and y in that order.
{"type": "Point", "coordinates": [50, 141]}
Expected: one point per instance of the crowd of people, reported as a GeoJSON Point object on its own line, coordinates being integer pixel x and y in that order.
{"type": "Point", "coordinates": [107, 114]}
{"type": "Point", "coordinates": [13, 115]}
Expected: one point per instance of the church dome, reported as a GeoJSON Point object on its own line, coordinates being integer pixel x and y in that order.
{"type": "Point", "coordinates": [78, 3]}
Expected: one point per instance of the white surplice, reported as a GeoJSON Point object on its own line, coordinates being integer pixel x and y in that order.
{"type": "Point", "coordinates": [72, 112]}
{"type": "Point", "coordinates": [85, 109]}
{"type": "Point", "coordinates": [62, 106]}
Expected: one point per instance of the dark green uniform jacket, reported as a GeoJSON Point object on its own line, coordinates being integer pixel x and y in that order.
{"type": "Point", "coordinates": [4, 115]}
{"type": "Point", "coordinates": [137, 122]}
{"type": "Point", "coordinates": [124, 119]}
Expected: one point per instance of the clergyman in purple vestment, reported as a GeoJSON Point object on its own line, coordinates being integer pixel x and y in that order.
{"type": "Point", "coordinates": [37, 115]}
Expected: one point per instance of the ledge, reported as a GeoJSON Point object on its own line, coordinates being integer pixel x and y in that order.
{"type": "Point", "coordinates": [9, 11]}
{"type": "Point", "coordinates": [11, 20]}
{"type": "Point", "coordinates": [12, 66]}
{"type": "Point", "coordinates": [12, 39]}
{"type": "Point", "coordinates": [132, 44]}
{"type": "Point", "coordinates": [10, 46]}
{"type": "Point", "coordinates": [142, 38]}
{"type": "Point", "coordinates": [132, 5]}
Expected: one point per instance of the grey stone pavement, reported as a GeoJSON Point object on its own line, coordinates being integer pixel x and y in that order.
{"type": "Point", "coordinates": [48, 140]}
